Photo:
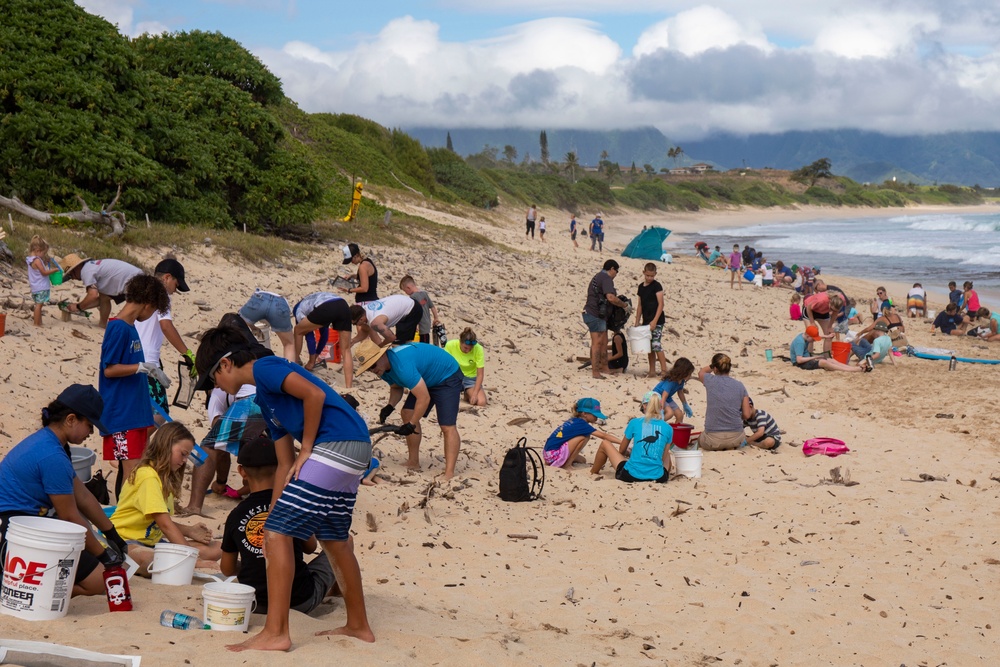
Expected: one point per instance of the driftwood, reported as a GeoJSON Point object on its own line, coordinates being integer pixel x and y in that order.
{"type": "Point", "coordinates": [107, 216]}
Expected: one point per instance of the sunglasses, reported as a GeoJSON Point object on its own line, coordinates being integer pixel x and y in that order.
{"type": "Point", "coordinates": [469, 342]}
{"type": "Point", "coordinates": [215, 368]}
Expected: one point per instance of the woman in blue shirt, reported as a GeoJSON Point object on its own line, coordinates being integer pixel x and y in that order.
{"type": "Point", "coordinates": [650, 460]}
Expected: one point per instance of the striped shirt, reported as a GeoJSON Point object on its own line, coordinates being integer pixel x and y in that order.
{"type": "Point", "coordinates": [762, 418]}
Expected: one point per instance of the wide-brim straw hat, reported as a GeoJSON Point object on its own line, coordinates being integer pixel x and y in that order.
{"type": "Point", "coordinates": [366, 354]}
{"type": "Point", "coordinates": [70, 262]}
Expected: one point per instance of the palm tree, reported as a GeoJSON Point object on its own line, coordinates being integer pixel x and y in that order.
{"type": "Point", "coordinates": [572, 162]}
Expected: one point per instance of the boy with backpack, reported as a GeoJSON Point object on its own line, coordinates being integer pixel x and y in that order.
{"type": "Point", "coordinates": [243, 538]}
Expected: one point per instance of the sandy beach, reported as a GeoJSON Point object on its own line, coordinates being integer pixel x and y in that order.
{"type": "Point", "coordinates": [760, 562]}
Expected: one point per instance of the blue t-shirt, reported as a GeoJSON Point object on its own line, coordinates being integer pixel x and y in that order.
{"type": "Point", "coordinates": [597, 226]}
{"type": "Point", "coordinates": [126, 399]}
{"type": "Point", "coordinates": [670, 387]}
{"type": "Point", "coordinates": [284, 412]}
{"type": "Point", "coordinates": [799, 348]}
{"type": "Point", "coordinates": [955, 297]}
{"type": "Point", "coordinates": [570, 429]}
{"type": "Point", "coordinates": [649, 439]}
{"type": "Point", "coordinates": [34, 469]}
{"type": "Point", "coordinates": [787, 271]}
{"type": "Point", "coordinates": [948, 323]}
{"type": "Point", "coordinates": [414, 362]}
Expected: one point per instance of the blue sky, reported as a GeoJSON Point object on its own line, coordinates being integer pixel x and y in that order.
{"type": "Point", "coordinates": [686, 67]}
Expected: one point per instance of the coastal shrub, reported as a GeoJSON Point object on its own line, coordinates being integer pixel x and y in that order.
{"type": "Point", "coordinates": [452, 172]}
{"type": "Point", "coordinates": [592, 190]}
{"type": "Point", "coordinates": [817, 195]}
{"type": "Point", "coordinates": [759, 194]}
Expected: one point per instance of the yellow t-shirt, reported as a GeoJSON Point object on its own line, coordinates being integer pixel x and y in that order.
{"type": "Point", "coordinates": [469, 363]}
{"type": "Point", "coordinates": [139, 501]}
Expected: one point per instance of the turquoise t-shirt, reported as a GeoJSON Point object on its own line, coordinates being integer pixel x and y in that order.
{"type": "Point", "coordinates": [649, 439]}
{"type": "Point", "coordinates": [798, 348]}
{"type": "Point", "coordinates": [882, 346]}
{"type": "Point", "coordinates": [414, 362]}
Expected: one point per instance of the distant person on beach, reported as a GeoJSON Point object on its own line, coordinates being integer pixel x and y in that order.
{"type": "Point", "coordinates": [954, 294]}
{"type": "Point", "coordinates": [748, 255]}
{"type": "Point", "coordinates": [564, 446]}
{"type": "Point", "coordinates": [128, 412]}
{"type": "Point", "coordinates": [272, 308]}
{"type": "Point", "coordinates": [894, 324]}
{"type": "Point", "coordinates": [990, 331]}
{"type": "Point", "coordinates": [40, 267]}
{"type": "Point", "coordinates": [727, 404]}
{"type": "Point", "coordinates": [970, 299]}
{"type": "Point", "coordinates": [881, 298]}
{"type": "Point", "coordinates": [852, 312]}
{"type": "Point", "coordinates": [800, 353]}
{"type": "Point", "coordinates": [822, 308]}
{"type": "Point", "coordinates": [433, 379]}
{"type": "Point", "coordinates": [529, 221]}
{"type": "Point", "coordinates": [716, 258]}
{"type": "Point", "coordinates": [784, 276]}
{"type": "Point", "coordinates": [950, 322]}
{"type": "Point", "coordinates": [735, 262]}
{"type": "Point", "coordinates": [104, 279]}
{"type": "Point", "coordinates": [429, 318]}
{"type": "Point", "coordinates": [366, 276]}
{"type": "Point", "coordinates": [143, 515]}
{"type": "Point", "coordinates": [320, 312]}
{"type": "Point", "coordinates": [650, 313]}
{"type": "Point", "coordinates": [673, 383]}
{"type": "Point", "coordinates": [375, 319]}
{"type": "Point", "coordinates": [597, 232]}
{"type": "Point", "coordinates": [37, 479]}
{"type": "Point", "coordinates": [472, 360]}
{"type": "Point", "coordinates": [876, 345]}
{"type": "Point", "coordinates": [600, 292]}
{"type": "Point", "coordinates": [159, 327]}
{"type": "Point", "coordinates": [617, 352]}
{"type": "Point", "coordinates": [650, 437]}
{"type": "Point", "coordinates": [573, 231]}
{"type": "Point", "coordinates": [916, 301]}
{"type": "Point", "coordinates": [765, 433]}
{"type": "Point", "coordinates": [541, 228]}
{"type": "Point", "coordinates": [795, 307]}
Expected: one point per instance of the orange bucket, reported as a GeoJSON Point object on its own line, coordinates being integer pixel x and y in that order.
{"type": "Point", "coordinates": [840, 351]}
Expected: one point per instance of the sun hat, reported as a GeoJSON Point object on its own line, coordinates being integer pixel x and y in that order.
{"type": "Point", "coordinates": [351, 250]}
{"type": "Point", "coordinates": [84, 400]}
{"type": "Point", "coordinates": [648, 395]}
{"type": "Point", "coordinates": [591, 406]}
{"type": "Point", "coordinates": [881, 326]}
{"type": "Point", "coordinates": [174, 268]}
{"type": "Point", "coordinates": [70, 262]}
{"type": "Point", "coordinates": [258, 453]}
{"type": "Point", "coordinates": [812, 331]}
{"type": "Point", "coordinates": [366, 355]}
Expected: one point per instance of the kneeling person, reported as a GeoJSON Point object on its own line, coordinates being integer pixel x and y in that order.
{"type": "Point", "coordinates": [243, 539]}
{"type": "Point", "coordinates": [800, 352]}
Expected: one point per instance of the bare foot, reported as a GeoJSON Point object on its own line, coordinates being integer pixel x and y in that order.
{"type": "Point", "coordinates": [262, 642]}
{"type": "Point", "coordinates": [364, 634]}
{"type": "Point", "coordinates": [597, 376]}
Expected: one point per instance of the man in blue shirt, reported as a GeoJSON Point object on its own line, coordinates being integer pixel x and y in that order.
{"type": "Point", "coordinates": [800, 352]}
{"type": "Point", "coordinates": [597, 232]}
{"type": "Point", "coordinates": [433, 378]}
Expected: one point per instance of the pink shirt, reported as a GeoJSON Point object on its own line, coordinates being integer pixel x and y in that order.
{"type": "Point", "coordinates": [972, 302]}
{"type": "Point", "coordinates": [795, 311]}
{"type": "Point", "coordinates": [734, 260]}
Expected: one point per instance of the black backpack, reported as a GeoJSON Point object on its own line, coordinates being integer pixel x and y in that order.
{"type": "Point", "coordinates": [514, 484]}
{"type": "Point", "coordinates": [617, 316]}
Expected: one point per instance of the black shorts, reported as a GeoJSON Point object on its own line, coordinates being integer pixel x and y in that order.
{"type": "Point", "coordinates": [573, 235]}
{"type": "Point", "coordinates": [406, 328]}
{"type": "Point", "coordinates": [821, 316]}
{"type": "Point", "coordinates": [811, 365]}
{"type": "Point", "coordinates": [335, 313]}
{"type": "Point", "coordinates": [445, 397]}
{"type": "Point", "coordinates": [622, 475]}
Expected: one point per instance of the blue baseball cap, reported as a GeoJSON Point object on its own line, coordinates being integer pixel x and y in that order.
{"type": "Point", "coordinates": [592, 406]}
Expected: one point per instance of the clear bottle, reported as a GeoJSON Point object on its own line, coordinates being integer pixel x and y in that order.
{"type": "Point", "coordinates": [173, 619]}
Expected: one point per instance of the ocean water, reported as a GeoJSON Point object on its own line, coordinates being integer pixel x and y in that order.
{"type": "Point", "coordinates": [931, 249]}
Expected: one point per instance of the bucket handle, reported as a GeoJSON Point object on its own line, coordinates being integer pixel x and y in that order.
{"type": "Point", "coordinates": [149, 568]}
{"type": "Point", "coordinates": [3, 559]}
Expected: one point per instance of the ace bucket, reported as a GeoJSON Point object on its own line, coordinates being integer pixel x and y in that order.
{"type": "Point", "coordinates": [40, 560]}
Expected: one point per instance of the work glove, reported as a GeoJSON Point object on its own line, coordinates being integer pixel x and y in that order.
{"type": "Point", "coordinates": [189, 362]}
{"type": "Point", "coordinates": [111, 558]}
{"type": "Point", "coordinates": [406, 429]}
{"type": "Point", "coordinates": [149, 368]}
{"type": "Point", "coordinates": [688, 411]}
{"type": "Point", "coordinates": [384, 413]}
{"type": "Point", "coordinates": [351, 401]}
{"type": "Point", "coordinates": [115, 542]}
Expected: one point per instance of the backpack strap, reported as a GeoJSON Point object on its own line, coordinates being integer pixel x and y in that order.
{"type": "Point", "coordinates": [538, 472]}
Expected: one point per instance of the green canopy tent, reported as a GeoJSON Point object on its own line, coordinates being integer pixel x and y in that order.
{"type": "Point", "coordinates": [647, 244]}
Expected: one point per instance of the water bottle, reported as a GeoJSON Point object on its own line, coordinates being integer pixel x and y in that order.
{"type": "Point", "coordinates": [953, 364]}
{"type": "Point", "coordinates": [116, 588]}
{"type": "Point", "coordinates": [172, 619]}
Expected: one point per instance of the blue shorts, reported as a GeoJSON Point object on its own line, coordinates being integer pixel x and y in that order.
{"type": "Point", "coordinates": [41, 297]}
{"type": "Point", "coordinates": [467, 382]}
{"type": "Point", "coordinates": [270, 308]}
{"type": "Point", "coordinates": [671, 403]}
{"type": "Point", "coordinates": [594, 324]}
{"type": "Point", "coordinates": [445, 397]}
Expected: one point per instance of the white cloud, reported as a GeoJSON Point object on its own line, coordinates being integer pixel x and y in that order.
{"type": "Point", "coordinates": [867, 34]}
{"type": "Point", "coordinates": [697, 30]}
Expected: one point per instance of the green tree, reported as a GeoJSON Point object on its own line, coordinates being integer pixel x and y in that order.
{"type": "Point", "coordinates": [572, 164]}
{"type": "Point", "coordinates": [543, 144]}
{"type": "Point", "coordinates": [448, 143]}
{"type": "Point", "coordinates": [813, 172]}
{"type": "Point", "coordinates": [509, 154]}
{"type": "Point", "coordinates": [675, 153]}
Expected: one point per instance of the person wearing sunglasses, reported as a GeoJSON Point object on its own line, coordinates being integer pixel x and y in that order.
{"type": "Point", "coordinates": [879, 302]}
{"type": "Point", "coordinates": [472, 360]}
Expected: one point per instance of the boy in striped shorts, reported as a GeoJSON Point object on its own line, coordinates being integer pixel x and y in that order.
{"type": "Point", "coordinates": [323, 479]}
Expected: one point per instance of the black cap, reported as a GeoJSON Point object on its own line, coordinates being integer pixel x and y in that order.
{"type": "Point", "coordinates": [351, 250]}
{"type": "Point", "coordinates": [174, 268]}
{"type": "Point", "coordinates": [84, 400]}
{"type": "Point", "coordinates": [258, 453]}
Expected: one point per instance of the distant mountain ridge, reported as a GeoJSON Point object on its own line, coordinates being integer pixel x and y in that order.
{"type": "Point", "coordinates": [962, 158]}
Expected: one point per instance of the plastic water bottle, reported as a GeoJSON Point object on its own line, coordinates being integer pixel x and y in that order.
{"type": "Point", "coordinates": [172, 619]}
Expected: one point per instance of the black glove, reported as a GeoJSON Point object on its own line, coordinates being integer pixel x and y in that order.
{"type": "Point", "coordinates": [406, 429]}
{"type": "Point", "coordinates": [116, 542]}
{"type": "Point", "coordinates": [384, 413]}
{"type": "Point", "coordinates": [110, 558]}
{"type": "Point", "coordinates": [351, 401]}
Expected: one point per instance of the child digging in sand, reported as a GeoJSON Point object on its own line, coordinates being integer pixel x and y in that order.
{"type": "Point", "coordinates": [650, 437]}
{"type": "Point", "coordinates": [39, 270]}
{"type": "Point", "coordinates": [673, 383]}
{"type": "Point", "coordinates": [146, 505]}
{"type": "Point", "coordinates": [564, 446]}
{"type": "Point", "coordinates": [314, 493]}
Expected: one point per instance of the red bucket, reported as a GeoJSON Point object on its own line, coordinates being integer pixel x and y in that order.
{"type": "Point", "coordinates": [682, 435]}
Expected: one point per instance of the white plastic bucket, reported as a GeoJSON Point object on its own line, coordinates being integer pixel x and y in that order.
{"type": "Point", "coordinates": [83, 460]}
{"type": "Point", "coordinates": [262, 332]}
{"type": "Point", "coordinates": [931, 314]}
{"type": "Point", "coordinates": [688, 462]}
{"type": "Point", "coordinates": [173, 564]}
{"type": "Point", "coordinates": [639, 339]}
{"type": "Point", "coordinates": [228, 606]}
{"type": "Point", "coordinates": [39, 567]}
